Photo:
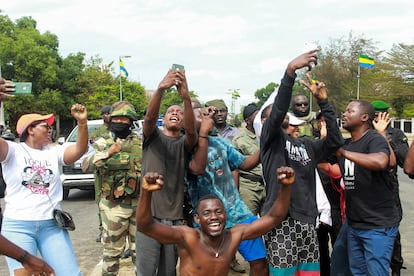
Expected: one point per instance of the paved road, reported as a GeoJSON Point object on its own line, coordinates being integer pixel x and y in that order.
{"type": "Point", "coordinates": [84, 210]}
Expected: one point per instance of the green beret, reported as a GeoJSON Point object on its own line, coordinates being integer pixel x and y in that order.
{"type": "Point", "coordinates": [124, 109]}
{"type": "Point", "coordinates": [218, 103]}
{"type": "Point", "coordinates": [380, 106]}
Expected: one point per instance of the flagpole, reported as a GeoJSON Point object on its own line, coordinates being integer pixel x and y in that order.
{"type": "Point", "coordinates": [120, 77]}
{"type": "Point", "coordinates": [120, 80]}
{"type": "Point", "coordinates": [358, 77]}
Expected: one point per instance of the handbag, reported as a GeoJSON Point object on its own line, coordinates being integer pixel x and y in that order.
{"type": "Point", "coordinates": [63, 220]}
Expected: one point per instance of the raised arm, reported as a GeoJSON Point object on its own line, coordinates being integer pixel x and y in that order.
{"type": "Point", "coordinates": [5, 87]}
{"type": "Point", "coordinates": [271, 127]}
{"type": "Point", "coordinates": [153, 110]}
{"type": "Point", "coordinates": [198, 162]}
{"type": "Point", "coordinates": [189, 125]}
{"type": "Point", "coordinates": [163, 233]}
{"type": "Point", "coordinates": [333, 139]}
{"type": "Point", "coordinates": [74, 152]}
{"type": "Point", "coordinates": [278, 211]}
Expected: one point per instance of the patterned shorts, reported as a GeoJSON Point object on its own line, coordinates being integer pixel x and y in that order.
{"type": "Point", "coordinates": [292, 247]}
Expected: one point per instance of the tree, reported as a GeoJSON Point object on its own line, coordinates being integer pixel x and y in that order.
{"type": "Point", "coordinates": [263, 94]}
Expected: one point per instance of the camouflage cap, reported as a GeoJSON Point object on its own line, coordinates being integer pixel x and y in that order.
{"type": "Point", "coordinates": [124, 109]}
{"type": "Point", "coordinates": [218, 103]}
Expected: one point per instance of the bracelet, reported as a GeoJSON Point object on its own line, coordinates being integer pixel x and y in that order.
{"type": "Point", "coordinates": [23, 257]}
{"type": "Point", "coordinates": [200, 136]}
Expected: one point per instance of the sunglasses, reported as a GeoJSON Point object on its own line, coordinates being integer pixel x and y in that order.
{"type": "Point", "coordinates": [300, 104]}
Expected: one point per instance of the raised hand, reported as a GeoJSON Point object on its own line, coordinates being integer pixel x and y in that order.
{"type": "Point", "coordinates": [207, 121]}
{"type": "Point", "coordinates": [307, 59]}
{"type": "Point", "coordinates": [181, 84]}
{"type": "Point", "coordinates": [317, 88]}
{"type": "Point", "coordinates": [5, 87]}
{"type": "Point", "coordinates": [152, 182]}
{"type": "Point", "coordinates": [78, 112]}
{"type": "Point", "coordinates": [381, 122]}
{"type": "Point", "coordinates": [172, 78]}
{"type": "Point", "coordinates": [285, 175]}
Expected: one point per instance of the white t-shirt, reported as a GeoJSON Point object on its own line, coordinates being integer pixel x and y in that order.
{"type": "Point", "coordinates": [30, 176]}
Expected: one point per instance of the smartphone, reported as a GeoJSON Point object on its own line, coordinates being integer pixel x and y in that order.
{"type": "Point", "coordinates": [22, 88]}
{"type": "Point", "coordinates": [178, 67]}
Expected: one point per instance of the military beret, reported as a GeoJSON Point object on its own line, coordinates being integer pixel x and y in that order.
{"type": "Point", "coordinates": [218, 103]}
{"type": "Point", "coordinates": [380, 106]}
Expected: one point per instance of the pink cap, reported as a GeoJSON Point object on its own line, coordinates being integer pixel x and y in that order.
{"type": "Point", "coordinates": [27, 119]}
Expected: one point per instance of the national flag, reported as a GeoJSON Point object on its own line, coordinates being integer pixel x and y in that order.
{"type": "Point", "coordinates": [122, 68]}
{"type": "Point", "coordinates": [366, 61]}
{"type": "Point", "coordinates": [235, 94]}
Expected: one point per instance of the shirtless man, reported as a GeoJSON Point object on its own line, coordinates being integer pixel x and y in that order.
{"type": "Point", "coordinates": [208, 250]}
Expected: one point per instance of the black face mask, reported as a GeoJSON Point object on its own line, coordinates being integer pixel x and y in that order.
{"type": "Point", "coordinates": [121, 130]}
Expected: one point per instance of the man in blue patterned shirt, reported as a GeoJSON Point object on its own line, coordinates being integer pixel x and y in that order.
{"type": "Point", "coordinates": [210, 173]}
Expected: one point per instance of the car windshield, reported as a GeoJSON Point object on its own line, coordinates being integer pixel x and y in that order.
{"type": "Point", "coordinates": [74, 135]}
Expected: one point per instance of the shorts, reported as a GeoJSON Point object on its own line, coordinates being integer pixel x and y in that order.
{"type": "Point", "coordinates": [252, 250]}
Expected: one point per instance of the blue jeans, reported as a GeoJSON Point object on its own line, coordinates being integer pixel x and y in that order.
{"type": "Point", "coordinates": [371, 250]}
{"type": "Point", "coordinates": [53, 243]}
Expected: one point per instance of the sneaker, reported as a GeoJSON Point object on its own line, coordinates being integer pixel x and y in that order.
{"type": "Point", "coordinates": [99, 237]}
{"type": "Point", "coordinates": [236, 266]}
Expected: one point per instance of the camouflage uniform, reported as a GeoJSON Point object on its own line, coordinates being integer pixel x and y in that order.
{"type": "Point", "coordinates": [118, 177]}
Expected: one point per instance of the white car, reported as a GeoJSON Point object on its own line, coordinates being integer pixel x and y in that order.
{"type": "Point", "coordinates": [72, 176]}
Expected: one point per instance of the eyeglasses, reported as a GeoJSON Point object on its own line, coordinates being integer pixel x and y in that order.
{"type": "Point", "coordinates": [300, 104]}
{"type": "Point", "coordinates": [46, 126]}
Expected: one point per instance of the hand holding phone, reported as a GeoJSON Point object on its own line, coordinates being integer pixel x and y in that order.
{"type": "Point", "coordinates": [177, 67]}
{"type": "Point", "coordinates": [6, 86]}
{"type": "Point", "coordinates": [310, 46]}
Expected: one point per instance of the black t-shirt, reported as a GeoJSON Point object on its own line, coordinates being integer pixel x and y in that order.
{"type": "Point", "coordinates": [369, 194]}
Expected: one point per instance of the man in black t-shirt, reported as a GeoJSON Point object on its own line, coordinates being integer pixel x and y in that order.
{"type": "Point", "coordinates": [370, 207]}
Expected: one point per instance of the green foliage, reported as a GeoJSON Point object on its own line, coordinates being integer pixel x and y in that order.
{"type": "Point", "coordinates": [263, 94]}
{"type": "Point", "coordinates": [172, 97]}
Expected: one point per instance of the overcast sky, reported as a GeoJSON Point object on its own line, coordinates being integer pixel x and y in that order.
{"type": "Point", "coordinates": [224, 45]}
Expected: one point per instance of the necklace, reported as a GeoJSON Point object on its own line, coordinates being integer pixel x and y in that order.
{"type": "Point", "coordinates": [217, 251]}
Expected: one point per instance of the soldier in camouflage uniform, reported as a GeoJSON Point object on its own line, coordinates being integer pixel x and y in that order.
{"type": "Point", "coordinates": [117, 165]}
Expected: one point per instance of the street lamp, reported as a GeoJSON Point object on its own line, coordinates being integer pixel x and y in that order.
{"type": "Point", "coordinates": [120, 76]}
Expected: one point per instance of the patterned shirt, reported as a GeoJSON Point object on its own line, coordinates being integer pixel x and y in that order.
{"type": "Point", "coordinates": [222, 159]}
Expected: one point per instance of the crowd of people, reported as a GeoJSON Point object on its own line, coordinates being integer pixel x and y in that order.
{"type": "Point", "coordinates": [277, 190]}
